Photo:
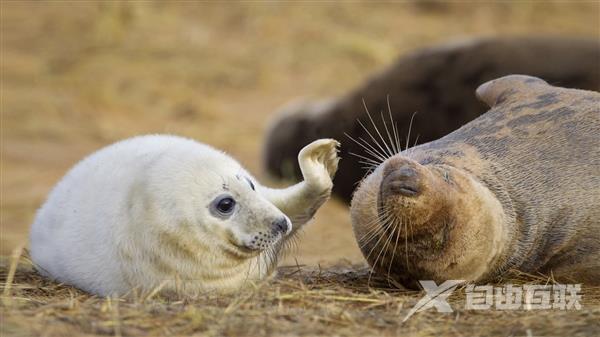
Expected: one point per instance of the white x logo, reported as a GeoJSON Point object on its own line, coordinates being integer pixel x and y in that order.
{"type": "Point", "coordinates": [435, 296]}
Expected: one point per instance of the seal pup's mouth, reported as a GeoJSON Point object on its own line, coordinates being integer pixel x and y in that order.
{"type": "Point", "coordinates": [238, 250]}
{"type": "Point", "coordinates": [255, 243]}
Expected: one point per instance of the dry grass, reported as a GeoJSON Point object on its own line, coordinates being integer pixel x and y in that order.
{"type": "Point", "coordinates": [79, 75]}
{"type": "Point", "coordinates": [300, 301]}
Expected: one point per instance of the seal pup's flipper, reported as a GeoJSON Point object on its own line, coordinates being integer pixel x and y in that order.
{"type": "Point", "coordinates": [318, 163]}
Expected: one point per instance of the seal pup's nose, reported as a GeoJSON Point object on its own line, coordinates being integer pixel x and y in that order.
{"type": "Point", "coordinates": [403, 180]}
{"type": "Point", "coordinates": [280, 226]}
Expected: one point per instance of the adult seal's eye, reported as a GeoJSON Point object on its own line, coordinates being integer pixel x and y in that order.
{"type": "Point", "coordinates": [446, 176]}
{"type": "Point", "coordinates": [223, 206]}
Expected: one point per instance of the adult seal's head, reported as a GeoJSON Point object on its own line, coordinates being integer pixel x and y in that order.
{"type": "Point", "coordinates": [513, 189]}
{"type": "Point", "coordinates": [422, 222]}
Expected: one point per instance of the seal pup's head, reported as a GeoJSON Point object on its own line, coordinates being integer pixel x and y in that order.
{"type": "Point", "coordinates": [241, 215]}
{"type": "Point", "coordinates": [200, 218]}
{"type": "Point", "coordinates": [426, 222]}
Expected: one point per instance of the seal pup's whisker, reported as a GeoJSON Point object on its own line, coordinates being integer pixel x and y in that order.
{"type": "Point", "coordinates": [291, 242]}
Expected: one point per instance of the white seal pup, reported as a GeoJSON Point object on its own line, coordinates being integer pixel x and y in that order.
{"type": "Point", "coordinates": [169, 212]}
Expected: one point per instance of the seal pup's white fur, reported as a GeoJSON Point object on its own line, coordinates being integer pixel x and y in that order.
{"type": "Point", "coordinates": [165, 211]}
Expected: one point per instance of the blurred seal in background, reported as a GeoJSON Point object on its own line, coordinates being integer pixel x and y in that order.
{"type": "Point", "coordinates": [436, 82]}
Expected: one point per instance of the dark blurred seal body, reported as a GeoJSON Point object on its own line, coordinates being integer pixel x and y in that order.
{"type": "Point", "coordinates": [518, 188]}
{"type": "Point", "coordinates": [438, 84]}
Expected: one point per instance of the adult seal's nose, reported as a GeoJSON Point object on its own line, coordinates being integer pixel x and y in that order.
{"type": "Point", "coordinates": [402, 181]}
{"type": "Point", "coordinates": [280, 226]}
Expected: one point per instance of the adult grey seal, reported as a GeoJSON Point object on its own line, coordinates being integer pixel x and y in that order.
{"type": "Point", "coordinates": [518, 188]}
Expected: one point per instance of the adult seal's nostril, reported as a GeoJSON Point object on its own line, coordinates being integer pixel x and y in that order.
{"type": "Point", "coordinates": [406, 172]}
{"type": "Point", "coordinates": [279, 226]}
{"type": "Point", "coordinates": [403, 181]}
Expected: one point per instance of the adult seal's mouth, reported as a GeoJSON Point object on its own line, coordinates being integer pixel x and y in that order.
{"type": "Point", "coordinates": [403, 181]}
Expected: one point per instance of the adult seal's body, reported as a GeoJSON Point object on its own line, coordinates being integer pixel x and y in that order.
{"type": "Point", "coordinates": [169, 212]}
{"type": "Point", "coordinates": [437, 82]}
{"type": "Point", "coordinates": [516, 189]}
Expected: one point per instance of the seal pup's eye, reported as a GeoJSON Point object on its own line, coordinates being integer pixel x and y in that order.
{"type": "Point", "coordinates": [226, 205]}
{"type": "Point", "coordinates": [223, 205]}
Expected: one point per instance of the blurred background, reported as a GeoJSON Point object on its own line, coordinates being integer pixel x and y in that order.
{"type": "Point", "coordinates": [76, 76]}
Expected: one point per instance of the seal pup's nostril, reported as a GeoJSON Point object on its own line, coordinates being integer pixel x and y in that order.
{"type": "Point", "coordinates": [279, 226]}
{"type": "Point", "coordinates": [403, 181]}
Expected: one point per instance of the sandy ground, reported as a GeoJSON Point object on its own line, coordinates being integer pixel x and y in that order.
{"type": "Point", "coordinates": [302, 301]}
{"type": "Point", "coordinates": [79, 75]}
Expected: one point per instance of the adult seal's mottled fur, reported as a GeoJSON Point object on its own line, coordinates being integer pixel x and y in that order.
{"type": "Point", "coordinates": [516, 189]}
{"type": "Point", "coordinates": [165, 212]}
{"type": "Point", "coordinates": [436, 82]}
